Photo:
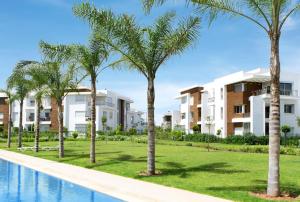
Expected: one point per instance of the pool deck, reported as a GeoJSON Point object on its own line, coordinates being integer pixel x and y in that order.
{"type": "Point", "coordinates": [120, 187]}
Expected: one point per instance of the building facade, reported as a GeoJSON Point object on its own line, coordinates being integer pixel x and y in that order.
{"type": "Point", "coordinates": [171, 120]}
{"type": "Point", "coordinates": [76, 111]}
{"type": "Point", "coordinates": [239, 103]}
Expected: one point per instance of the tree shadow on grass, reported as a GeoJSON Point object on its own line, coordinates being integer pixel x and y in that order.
{"type": "Point", "coordinates": [70, 155]}
{"type": "Point", "coordinates": [259, 186]}
{"type": "Point", "coordinates": [120, 159]}
{"type": "Point", "coordinates": [180, 170]}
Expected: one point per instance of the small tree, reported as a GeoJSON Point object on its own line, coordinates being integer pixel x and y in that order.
{"type": "Point", "coordinates": [219, 132]}
{"type": "Point", "coordinates": [196, 128]}
{"type": "Point", "coordinates": [208, 124]}
{"type": "Point", "coordinates": [11, 97]}
{"type": "Point", "coordinates": [298, 121]}
{"type": "Point", "coordinates": [285, 129]}
{"type": "Point", "coordinates": [104, 120]}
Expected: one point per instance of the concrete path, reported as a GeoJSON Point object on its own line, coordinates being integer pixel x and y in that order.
{"type": "Point", "coordinates": [120, 187]}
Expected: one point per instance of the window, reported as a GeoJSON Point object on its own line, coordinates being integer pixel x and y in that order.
{"type": "Point", "coordinates": [80, 128]}
{"type": "Point", "coordinates": [239, 87]}
{"type": "Point", "coordinates": [289, 109]}
{"type": "Point", "coordinates": [182, 116]}
{"type": "Point", "coordinates": [15, 116]}
{"type": "Point", "coordinates": [110, 115]}
{"type": "Point", "coordinates": [109, 99]}
{"type": "Point", "coordinates": [221, 111]}
{"type": "Point", "coordinates": [105, 113]}
{"type": "Point", "coordinates": [80, 116]}
{"type": "Point", "coordinates": [1, 115]}
{"type": "Point", "coordinates": [285, 88]}
{"type": "Point", "coordinates": [2, 101]}
{"type": "Point", "coordinates": [183, 100]}
{"type": "Point", "coordinates": [192, 116]}
{"type": "Point", "coordinates": [267, 112]}
{"type": "Point", "coordinates": [222, 92]}
{"type": "Point", "coordinates": [238, 109]}
{"type": "Point", "coordinates": [132, 119]}
{"type": "Point", "coordinates": [79, 98]}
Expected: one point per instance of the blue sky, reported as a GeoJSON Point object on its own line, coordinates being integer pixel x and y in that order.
{"type": "Point", "coordinates": [227, 46]}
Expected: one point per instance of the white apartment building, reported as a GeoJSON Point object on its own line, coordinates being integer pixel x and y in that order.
{"type": "Point", "coordinates": [171, 120]}
{"type": "Point", "coordinates": [77, 111]}
{"type": "Point", "coordinates": [136, 120]}
{"type": "Point", "coordinates": [239, 103]}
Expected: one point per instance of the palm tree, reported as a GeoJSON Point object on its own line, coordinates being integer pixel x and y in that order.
{"type": "Point", "coordinates": [144, 49]}
{"type": "Point", "coordinates": [90, 59]}
{"type": "Point", "coordinates": [11, 97]}
{"type": "Point", "coordinates": [60, 81]}
{"type": "Point", "coordinates": [20, 84]}
{"type": "Point", "coordinates": [270, 16]}
{"type": "Point", "coordinates": [37, 78]}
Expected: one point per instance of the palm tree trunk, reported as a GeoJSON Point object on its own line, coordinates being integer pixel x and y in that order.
{"type": "Point", "coordinates": [93, 120]}
{"type": "Point", "coordinates": [274, 139]}
{"type": "Point", "coordinates": [20, 124]}
{"type": "Point", "coordinates": [151, 129]}
{"type": "Point", "coordinates": [37, 125]}
{"type": "Point", "coordinates": [61, 129]}
{"type": "Point", "coordinates": [9, 125]}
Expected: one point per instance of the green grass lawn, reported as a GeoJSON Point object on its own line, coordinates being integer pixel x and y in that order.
{"type": "Point", "coordinates": [230, 175]}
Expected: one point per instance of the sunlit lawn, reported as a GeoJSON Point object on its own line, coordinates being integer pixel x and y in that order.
{"type": "Point", "coordinates": [229, 175]}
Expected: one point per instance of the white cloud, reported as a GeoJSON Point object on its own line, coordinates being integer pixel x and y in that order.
{"type": "Point", "coordinates": [290, 24]}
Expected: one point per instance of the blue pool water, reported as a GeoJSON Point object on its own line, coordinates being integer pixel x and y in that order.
{"type": "Point", "coordinates": [21, 184]}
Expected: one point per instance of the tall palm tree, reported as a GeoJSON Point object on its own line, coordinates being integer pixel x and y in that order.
{"type": "Point", "coordinates": [11, 97]}
{"type": "Point", "coordinates": [37, 77]}
{"type": "Point", "coordinates": [60, 81]}
{"type": "Point", "coordinates": [20, 84]}
{"type": "Point", "coordinates": [270, 16]}
{"type": "Point", "coordinates": [90, 60]}
{"type": "Point", "coordinates": [144, 49]}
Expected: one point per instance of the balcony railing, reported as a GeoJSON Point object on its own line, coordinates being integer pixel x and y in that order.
{"type": "Point", "coordinates": [246, 115]}
{"type": "Point", "coordinates": [45, 119]}
{"type": "Point", "coordinates": [284, 93]}
{"type": "Point", "coordinates": [211, 99]}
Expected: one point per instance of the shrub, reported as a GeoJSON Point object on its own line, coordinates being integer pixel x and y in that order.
{"type": "Point", "coordinates": [1, 129]}
{"type": "Point", "coordinates": [75, 134]}
{"type": "Point", "coordinates": [118, 130]}
{"type": "Point", "coordinates": [15, 130]}
{"type": "Point", "coordinates": [177, 135]}
{"type": "Point", "coordinates": [196, 128]}
{"type": "Point", "coordinates": [88, 129]}
{"type": "Point", "coordinates": [132, 131]}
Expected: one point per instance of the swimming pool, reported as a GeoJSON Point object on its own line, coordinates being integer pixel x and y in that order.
{"type": "Point", "coordinates": [21, 184]}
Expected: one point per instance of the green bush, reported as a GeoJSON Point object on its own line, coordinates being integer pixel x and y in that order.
{"type": "Point", "coordinates": [75, 134]}
{"type": "Point", "coordinates": [196, 128]}
{"type": "Point", "coordinates": [132, 131]}
{"type": "Point", "coordinates": [15, 130]}
{"type": "Point", "coordinates": [118, 130]}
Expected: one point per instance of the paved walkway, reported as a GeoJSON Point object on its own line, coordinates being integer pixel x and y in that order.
{"type": "Point", "coordinates": [121, 187]}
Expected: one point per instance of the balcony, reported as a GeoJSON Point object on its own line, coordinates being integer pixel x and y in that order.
{"type": "Point", "coordinates": [241, 118]}
{"type": "Point", "coordinates": [267, 91]}
{"type": "Point", "coordinates": [109, 104]}
{"type": "Point", "coordinates": [246, 115]}
{"type": "Point", "coordinates": [30, 103]}
{"type": "Point", "coordinates": [211, 99]}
